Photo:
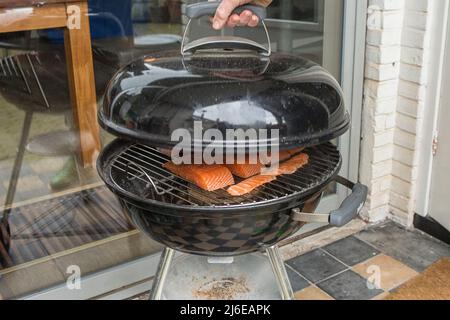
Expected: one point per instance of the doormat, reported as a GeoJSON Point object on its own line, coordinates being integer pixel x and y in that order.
{"type": "Point", "coordinates": [63, 223]}
{"type": "Point", "coordinates": [433, 284]}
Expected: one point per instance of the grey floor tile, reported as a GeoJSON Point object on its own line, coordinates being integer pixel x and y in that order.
{"type": "Point", "coordinates": [298, 283]}
{"type": "Point", "coordinates": [351, 250]}
{"type": "Point", "coordinates": [413, 248]}
{"type": "Point", "coordinates": [316, 265]}
{"type": "Point", "coordinates": [348, 286]}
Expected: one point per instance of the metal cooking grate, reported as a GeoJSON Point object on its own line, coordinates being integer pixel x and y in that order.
{"type": "Point", "coordinates": [138, 170]}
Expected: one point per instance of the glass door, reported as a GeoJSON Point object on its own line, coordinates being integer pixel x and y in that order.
{"type": "Point", "coordinates": [58, 221]}
{"type": "Point", "coordinates": [312, 29]}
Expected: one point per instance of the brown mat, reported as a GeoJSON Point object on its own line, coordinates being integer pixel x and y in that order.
{"type": "Point", "coordinates": [433, 284]}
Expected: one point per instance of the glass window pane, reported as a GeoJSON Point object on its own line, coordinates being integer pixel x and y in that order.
{"type": "Point", "coordinates": [54, 211]}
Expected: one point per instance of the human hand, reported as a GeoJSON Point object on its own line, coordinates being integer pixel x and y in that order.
{"type": "Point", "coordinates": [225, 16]}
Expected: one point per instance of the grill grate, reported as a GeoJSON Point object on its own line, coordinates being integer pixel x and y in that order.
{"type": "Point", "coordinates": [138, 170]}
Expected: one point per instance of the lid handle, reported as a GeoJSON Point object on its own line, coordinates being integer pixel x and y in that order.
{"type": "Point", "coordinates": [201, 9]}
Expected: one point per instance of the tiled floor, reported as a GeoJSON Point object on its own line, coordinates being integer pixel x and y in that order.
{"type": "Point", "coordinates": [365, 266]}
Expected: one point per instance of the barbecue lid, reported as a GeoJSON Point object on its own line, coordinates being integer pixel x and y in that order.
{"type": "Point", "coordinates": [227, 91]}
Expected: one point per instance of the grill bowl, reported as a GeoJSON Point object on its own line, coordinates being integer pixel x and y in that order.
{"type": "Point", "coordinates": [223, 237]}
{"type": "Point", "coordinates": [212, 229]}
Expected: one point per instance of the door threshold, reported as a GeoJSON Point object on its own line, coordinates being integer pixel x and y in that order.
{"type": "Point", "coordinates": [432, 228]}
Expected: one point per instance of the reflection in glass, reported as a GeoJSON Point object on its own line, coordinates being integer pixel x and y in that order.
{"type": "Point", "coordinates": [54, 212]}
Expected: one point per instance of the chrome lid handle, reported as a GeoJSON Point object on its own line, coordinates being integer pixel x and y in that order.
{"type": "Point", "coordinates": [198, 10]}
{"type": "Point", "coordinates": [201, 9]}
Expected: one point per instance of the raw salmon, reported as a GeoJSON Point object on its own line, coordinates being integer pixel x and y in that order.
{"type": "Point", "coordinates": [292, 165]}
{"type": "Point", "coordinates": [245, 170]}
{"type": "Point", "coordinates": [295, 151]}
{"type": "Point", "coordinates": [207, 177]}
{"type": "Point", "coordinates": [282, 156]}
{"type": "Point", "coordinates": [249, 185]}
{"type": "Point", "coordinates": [248, 170]}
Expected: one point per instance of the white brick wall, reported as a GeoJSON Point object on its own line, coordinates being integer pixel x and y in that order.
{"type": "Point", "coordinates": [381, 85]}
{"type": "Point", "coordinates": [398, 40]}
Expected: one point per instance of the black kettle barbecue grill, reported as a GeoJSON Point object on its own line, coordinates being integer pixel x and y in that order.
{"type": "Point", "coordinates": [226, 83]}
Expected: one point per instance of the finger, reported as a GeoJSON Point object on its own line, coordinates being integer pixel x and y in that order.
{"type": "Point", "coordinates": [224, 10]}
{"type": "Point", "coordinates": [254, 21]}
{"type": "Point", "coordinates": [235, 20]}
{"type": "Point", "coordinates": [245, 17]}
{"type": "Point", "coordinates": [232, 22]}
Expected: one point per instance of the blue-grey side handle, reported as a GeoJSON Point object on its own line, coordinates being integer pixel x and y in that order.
{"type": "Point", "coordinates": [350, 208]}
{"type": "Point", "coordinates": [201, 9]}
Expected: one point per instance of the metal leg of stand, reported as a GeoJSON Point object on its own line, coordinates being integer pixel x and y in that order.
{"type": "Point", "coordinates": [13, 181]}
{"type": "Point", "coordinates": [280, 273]}
{"type": "Point", "coordinates": [19, 159]}
{"type": "Point", "coordinates": [161, 273]}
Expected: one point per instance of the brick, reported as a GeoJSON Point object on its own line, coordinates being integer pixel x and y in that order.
{"type": "Point", "coordinates": [382, 169]}
{"type": "Point", "coordinates": [404, 155]}
{"type": "Point", "coordinates": [406, 123]}
{"type": "Point", "coordinates": [414, 38]}
{"type": "Point", "coordinates": [402, 171]}
{"type": "Point", "coordinates": [384, 138]}
{"type": "Point", "coordinates": [409, 107]}
{"type": "Point", "coordinates": [383, 54]}
{"type": "Point", "coordinates": [416, 20]}
{"type": "Point", "coordinates": [413, 73]}
{"type": "Point", "coordinates": [379, 199]}
{"type": "Point", "coordinates": [398, 201]}
{"type": "Point", "coordinates": [417, 5]}
{"type": "Point", "coordinates": [405, 139]}
{"type": "Point", "coordinates": [411, 90]}
{"type": "Point", "coordinates": [387, 4]}
{"type": "Point", "coordinates": [414, 56]}
{"type": "Point", "coordinates": [382, 72]}
{"type": "Point", "coordinates": [377, 37]}
{"type": "Point", "coordinates": [383, 153]}
{"type": "Point", "coordinates": [381, 184]}
{"type": "Point", "coordinates": [381, 90]}
{"type": "Point", "coordinates": [401, 187]}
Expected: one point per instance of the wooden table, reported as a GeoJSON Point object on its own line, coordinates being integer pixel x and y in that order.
{"type": "Point", "coordinates": [24, 15]}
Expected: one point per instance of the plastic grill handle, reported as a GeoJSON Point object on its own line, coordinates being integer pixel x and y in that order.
{"type": "Point", "coordinates": [350, 207]}
{"type": "Point", "coordinates": [201, 9]}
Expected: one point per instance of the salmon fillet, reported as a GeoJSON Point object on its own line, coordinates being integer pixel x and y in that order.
{"type": "Point", "coordinates": [295, 151]}
{"type": "Point", "coordinates": [292, 165]}
{"type": "Point", "coordinates": [248, 170]}
{"type": "Point", "coordinates": [245, 170]}
{"type": "Point", "coordinates": [249, 185]}
{"type": "Point", "coordinates": [282, 156]}
{"type": "Point", "coordinates": [207, 177]}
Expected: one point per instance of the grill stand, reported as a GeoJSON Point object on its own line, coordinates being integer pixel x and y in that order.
{"type": "Point", "coordinates": [161, 273]}
{"type": "Point", "coordinates": [278, 268]}
{"type": "Point", "coordinates": [273, 253]}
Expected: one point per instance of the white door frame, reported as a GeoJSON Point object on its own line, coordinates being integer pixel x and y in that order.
{"type": "Point", "coordinates": [440, 43]}
{"type": "Point", "coordinates": [140, 271]}
{"type": "Point", "coordinates": [352, 80]}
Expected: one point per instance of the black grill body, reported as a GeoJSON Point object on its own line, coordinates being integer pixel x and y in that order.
{"type": "Point", "coordinates": [183, 217]}
{"type": "Point", "coordinates": [224, 236]}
